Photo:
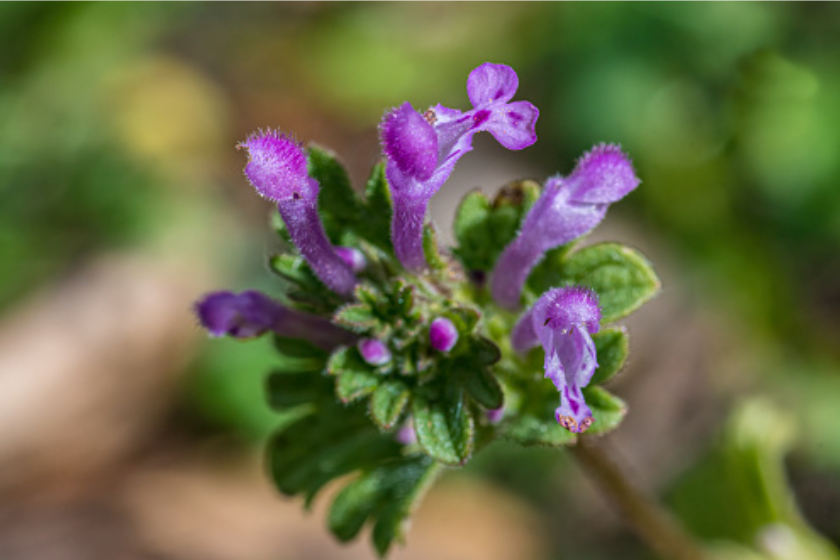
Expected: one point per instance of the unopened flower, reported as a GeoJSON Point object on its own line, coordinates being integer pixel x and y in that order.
{"type": "Point", "coordinates": [422, 150]}
{"type": "Point", "coordinates": [495, 415]}
{"type": "Point", "coordinates": [251, 314]}
{"type": "Point", "coordinates": [563, 320]}
{"type": "Point", "coordinates": [352, 257]}
{"type": "Point", "coordinates": [374, 351]}
{"type": "Point", "coordinates": [442, 334]}
{"type": "Point", "coordinates": [568, 208]}
{"type": "Point", "coordinates": [406, 434]}
{"type": "Point", "coordinates": [277, 169]}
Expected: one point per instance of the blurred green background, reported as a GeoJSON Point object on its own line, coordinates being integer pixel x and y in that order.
{"type": "Point", "coordinates": [118, 124]}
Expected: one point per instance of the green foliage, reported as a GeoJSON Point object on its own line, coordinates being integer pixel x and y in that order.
{"type": "Point", "coordinates": [612, 346]}
{"type": "Point", "coordinates": [386, 495]}
{"type": "Point", "coordinates": [338, 205]}
{"type": "Point", "coordinates": [621, 276]}
{"type": "Point", "coordinates": [483, 229]}
{"type": "Point", "coordinates": [445, 427]}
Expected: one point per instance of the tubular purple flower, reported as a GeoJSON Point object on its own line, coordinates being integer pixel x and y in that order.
{"type": "Point", "coordinates": [422, 150]}
{"type": "Point", "coordinates": [251, 314]}
{"type": "Point", "coordinates": [443, 335]}
{"type": "Point", "coordinates": [277, 170]}
{"type": "Point", "coordinates": [562, 320]}
{"type": "Point", "coordinates": [567, 209]}
{"type": "Point", "coordinates": [374, 351]}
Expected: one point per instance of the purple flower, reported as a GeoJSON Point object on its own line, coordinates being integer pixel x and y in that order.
{"type": "Point", "coordinates": [495, 415]}
{"type": "Point", "coordinates": [352, 258]}
{"type": "Point", "coordinates": [251, 314]}
{"type": "Point", "coordinates": [406, 434]}
{"type": "Point", "coordinates": [442, 334]}
{"type": "Point", "coordinates": [421, 150]}
{"type": "Point", "coordinates": [568, 208]}
{"type": "Point", "coordinates": [562, 320]}
{"type": "Point", "coordinates": [374, 351]}
{"type": "Point", "coordinates": [277, 169]}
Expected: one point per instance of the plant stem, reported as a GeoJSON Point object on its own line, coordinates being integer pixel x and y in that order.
{"type": "Point", "coordinates": [654, 525]}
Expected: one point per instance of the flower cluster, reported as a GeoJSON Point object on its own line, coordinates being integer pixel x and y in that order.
{"type": "Point", "coordinates": [411, 329]}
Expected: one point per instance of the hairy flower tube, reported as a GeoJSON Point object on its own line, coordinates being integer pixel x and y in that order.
{"type": "Point", "coordinates": [251, 314]}
{"type": "Point", "coordinates": [277, 169]}
{"type": "Point", "coordinates": [567, 209]}
{"type": "Point", "coordinates": [562, 320]}
{"type": "Point", "coordinates": [422, 150]}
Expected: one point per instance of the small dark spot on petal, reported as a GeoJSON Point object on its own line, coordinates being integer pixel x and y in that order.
{"type": "Point", "coordinates": [480, 117]}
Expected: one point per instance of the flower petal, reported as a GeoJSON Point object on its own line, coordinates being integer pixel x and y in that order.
{"type": "Point", "coordinates": [410, 142]}
{"type": "Point", "coordinates": [492, 83]}
{"type": "Point", "coordinates": [277, 167]}
{"type": "Point", "coordinates": [512, 125]}
{"type": "Point", "coordinates": [576, 351]}
{"type": "Point", "coordinates": [603, 175]}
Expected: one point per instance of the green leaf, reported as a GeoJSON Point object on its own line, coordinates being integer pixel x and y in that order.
{"type": "Point", "coordinates": [286, 390]}
{"type": "Point", "coordinates": [430, 249]}
{"type": "Point", "coordinates": [388, 494]}
{"type": "Point", "coordinates": [483, 387]}
{"type": "Point", "coordinates": [334, 441]}
{"type": "Point", "coordinates": [613, 347]}
{"type": "Point", "coordinates": [346, 359]}
{"type": "Point", "coordinates": [444, 427]}
{"type": "Point", "coordinates": [532, 430]}
{"type": "Point", "coordinates": [357, 317]}
{"type": "Point", "coordinates": [549, 272]}
{"type": "Point", "coordinates": [621, 276]}
{"type": "Point", "coordinates": [408, 487]}
{"type": "Point", "coordinates": [388, 402]}
{"type": "Point", "coordinates": [485, 352]}
{"type": "Point", "coordinates": [607, 410]}
{"type": "Point", "coordinates": [338, 205]}
{"type": "Point", "coordinates": [483, 229]}
{"type": "Point", "coordinates": [353, 385]}
{"type": "Point", "coordinates": [376, 225]}
{"type": "Point", "coordinates": [295, 355]}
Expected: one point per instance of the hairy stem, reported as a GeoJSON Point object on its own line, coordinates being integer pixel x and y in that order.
{"type": "Point", "coordinates": [654, 525]}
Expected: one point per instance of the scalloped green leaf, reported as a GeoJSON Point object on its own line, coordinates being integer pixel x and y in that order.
{"type": "Point", "coordinates": [388, 403]}
{"type": "Point", "coordinates": [338, 205]}
{"type": "Point", "coordinates": [387, 495]}
{"type": "Point", "coordinates": [444, 427]}
{"type": "Point", "coordinates": [409, 485]}
{"type": "Point", "coordinates": [621, 276]}
{"type": "Point", "coordinates": [332, 442]}
{"type": "Point", "coordinates": [613, 346]}
{"type": "Point", "coordinates": [607, 410]}
{"type": "Point", "coordinates": [484, 388]}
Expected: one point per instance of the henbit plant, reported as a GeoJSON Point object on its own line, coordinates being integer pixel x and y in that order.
{"type": "Point", "coordinates": [398, 358]}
